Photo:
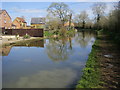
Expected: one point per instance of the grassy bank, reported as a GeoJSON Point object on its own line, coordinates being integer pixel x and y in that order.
{"type": "Point", "coordinates": [101, 71]}
{"type": "Point", "coordinates": [91, 72]}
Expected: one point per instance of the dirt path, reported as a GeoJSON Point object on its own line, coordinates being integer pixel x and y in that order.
{"type": "Point", "coordinates": [109, 57]}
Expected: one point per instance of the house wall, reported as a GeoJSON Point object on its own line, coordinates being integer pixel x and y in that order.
{"type": "Point", "coordinates": [19, 24]}
{"type": "Point", "coordinates": [22, 32]}
{"type": "Point", "coordinates": [38, 25]}
{"type": "Point", "coordinates": [16, 23]}
{"type": "Point", "coordinates": [5, 20]}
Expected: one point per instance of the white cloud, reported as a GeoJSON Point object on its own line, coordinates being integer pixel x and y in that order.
{"type": "Point", "coordinates": [27, 13]}
{"type": "Point", "coordinates": [54, 78]}
{"type": "Point", "coordinates": [29, 10]}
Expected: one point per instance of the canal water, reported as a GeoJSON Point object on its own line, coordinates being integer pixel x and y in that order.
{"type": "Point", "coordinates": [48, 63]}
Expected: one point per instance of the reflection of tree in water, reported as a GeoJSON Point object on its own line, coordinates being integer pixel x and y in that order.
{"type": "Point", "coordinates": [84, 37]}
{"type": "Point", "coordinates": [59, 49]}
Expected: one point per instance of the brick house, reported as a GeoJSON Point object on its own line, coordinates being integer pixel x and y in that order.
{"type": "Point", "coordinates": [38, 22]}
{"type": "Point", "coordinates": [5, 20]}
{"type": "Point", "coordinates": [67, 24]}
{"type": "Point", "coordinates": [19, 23]}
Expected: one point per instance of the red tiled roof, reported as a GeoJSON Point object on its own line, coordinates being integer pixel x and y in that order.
{"type": "Point", "coordinates": [21, 19]}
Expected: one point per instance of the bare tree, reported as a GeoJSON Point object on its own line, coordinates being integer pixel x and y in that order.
{"type": "Point", "coordinates": [60, 10]}
{"type": "Point", "coordinates": [98, 11]}
{"type": "Point", "coordinates": [89, 23]}
{"type": "Point", "coordinates": [53, 23]}
{"type": "Point", "coordinates": [77, 20]}
{"type": "Point", "coordinates": [82, 18]}
{"type": "Point", "coordinates": [114, 19]}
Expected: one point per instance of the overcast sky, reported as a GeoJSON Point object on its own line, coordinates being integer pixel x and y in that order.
{"type": "Point", "coordinates": [38, 9]}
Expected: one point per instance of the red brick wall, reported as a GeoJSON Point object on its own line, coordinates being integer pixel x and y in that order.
{"type": "Point", "coordinates": [22, 32]}
{"type": "Point", "coordinates": [5, 20]}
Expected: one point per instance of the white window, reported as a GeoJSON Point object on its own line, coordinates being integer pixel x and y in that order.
{"type": "Point", "coordinates": [5, 15]}
{"type": "Point", "coordinates": [4, 21]}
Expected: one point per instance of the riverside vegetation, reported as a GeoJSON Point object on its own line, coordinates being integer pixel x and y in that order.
{"type": "Point", "coordinates": [91, 72]}
{"type": "Point", "coordinates": [62, 32]}
{"type": "Point", "coordinates": [101, 72]}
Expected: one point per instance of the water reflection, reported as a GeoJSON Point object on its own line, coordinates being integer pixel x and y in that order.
{"type": "Point", "coordinates": [33, 43]}
{"type": "Point", "coordinates": [56, 78]}
{"type": "Point", "coordinates": [49, 63]}
{"type": "Point", "coordinates": [59, 49]}
{"type": "Point", "coordinates": [6, 50]}
{"type": "Point", "coordinates": [84, 38]}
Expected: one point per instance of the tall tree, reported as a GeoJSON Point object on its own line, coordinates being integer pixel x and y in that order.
{"type": "Point", "coordinates": [114, 19]}
{"type": "Point", "coordinates": [83, 17]}
{"type": "Point", "coordinates": [98, 11]}
{"type": "Point", "coordinates": [60, 10]}
{"type": "Point", "coordinates": [53, 23]}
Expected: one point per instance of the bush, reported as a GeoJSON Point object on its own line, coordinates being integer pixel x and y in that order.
{"type": "Point", "coordinates": [17, 36]}
{"type": "Point", "coordinates": [48, 33]}
{"type": "Point", "coordinates": [63, 32]}
{"type": "Point", "coordinates": [71, 32]}
{"type": "Point", "coordinates": [26, 36]}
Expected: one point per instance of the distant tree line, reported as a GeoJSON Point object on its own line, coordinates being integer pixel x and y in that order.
{"type": "Point", "coordinates": [111, 24]}
{"type": "Point", "coordinates": [59, 13]}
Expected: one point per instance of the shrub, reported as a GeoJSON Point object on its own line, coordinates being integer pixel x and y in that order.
{"type": "Point", "coordinates": [26, 36]}
{"type": "Point", "coordinates": [48, 33]}
{"type": "Point", "coordinates": [17, 36]}
{"type": "Point", "coordinates": [71, 32]}
{"type": "Point", "coordinates": [63, 31]}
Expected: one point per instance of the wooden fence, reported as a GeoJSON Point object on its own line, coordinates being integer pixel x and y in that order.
{"type": "Point", "coordinates": [22, 32]}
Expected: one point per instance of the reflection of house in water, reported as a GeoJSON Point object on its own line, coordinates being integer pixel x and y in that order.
{"type": "Point", "coordinates": [6, 50]}
{"type": "Point", "coordinates": [34, 43]}
{"type": "Point", "coordinates": [38, 43]}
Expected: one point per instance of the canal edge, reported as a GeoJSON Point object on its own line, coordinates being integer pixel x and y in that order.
{"type": "Point", "coordinates": [91, 73]}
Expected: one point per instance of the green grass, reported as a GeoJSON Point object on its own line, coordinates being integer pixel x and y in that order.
{"type": "Point", "coordinates": [91, 72]}
{"type": "Point", "coordinates": [26, 36]}
{"type": "Point", "coordinates": [63, 32]}
{"type": "Point", "coordinates": [71, 32]}
{"type": "Point", "coordinates": [48, 33]}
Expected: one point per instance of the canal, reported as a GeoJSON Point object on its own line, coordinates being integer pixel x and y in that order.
{"type": "Point", "coordinates": [47, 63]}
